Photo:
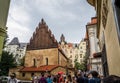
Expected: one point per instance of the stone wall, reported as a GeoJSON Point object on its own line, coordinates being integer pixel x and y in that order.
{"type": "Point", "coordinates": [40, 57]}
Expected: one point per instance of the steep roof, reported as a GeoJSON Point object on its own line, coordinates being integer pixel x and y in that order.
{"type": "Point", "coordinates": [42, 38]}
{"type": "Point", "coordinates": [14, 41]}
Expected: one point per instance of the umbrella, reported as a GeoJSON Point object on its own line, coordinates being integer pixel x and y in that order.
{"type": "Point", "coordinates": [60, 72]}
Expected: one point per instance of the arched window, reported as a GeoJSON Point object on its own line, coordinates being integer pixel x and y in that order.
{"type": "Point", "coordinates": [46, 61]}
{"type": "Point", "coordinates": [34, 62]}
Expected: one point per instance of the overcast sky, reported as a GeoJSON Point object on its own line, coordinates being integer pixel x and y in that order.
{"type": "Point", "coordinates": [62, 16]}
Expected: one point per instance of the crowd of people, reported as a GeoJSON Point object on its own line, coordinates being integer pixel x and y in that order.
{"type": "Point", "coordinates": [80, 77]}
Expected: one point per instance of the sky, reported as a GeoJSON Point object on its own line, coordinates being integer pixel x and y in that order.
{"type": "Point", "coordinates": [68, 17]}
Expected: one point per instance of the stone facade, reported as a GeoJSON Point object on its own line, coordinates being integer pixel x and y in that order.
{"type": "Point", "coordinates": [43, 48]}
{"type": "Point", "coordinates": [38, 57]}
{"type": "Point", "coordinates": [109, 33]}
{"type": "Point", "coordinates": [4, 8]}
{"type": "Point", "coordinates": [95, 63]}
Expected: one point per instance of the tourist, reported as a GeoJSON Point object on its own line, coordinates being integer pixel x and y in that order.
{"type": "Point", "coordinates": [42, 79]}
{"type": "Point", "coordinates": [12, 78]}
{"type": "Point", "coordinates": [69, 79]}
{"type": "Point", "coordinates": [94, 78]}
{"type": "Point", "coordinates": [49, 80]}
{"type": "Point", "coordinates": [80, 79]}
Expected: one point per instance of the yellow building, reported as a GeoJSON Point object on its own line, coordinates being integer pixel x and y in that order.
{"type": "Point", "coordinates": [108, 15]}
{"type": "Point", "coordinates": [4, 7]}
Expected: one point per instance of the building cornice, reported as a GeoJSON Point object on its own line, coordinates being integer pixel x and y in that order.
{"type": "Point", "coordinates": [91, 2]}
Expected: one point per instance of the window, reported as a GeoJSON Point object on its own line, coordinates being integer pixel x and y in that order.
{"type": "Point", "coordinates": [46, 61]}
{"type": "Point", "coordinates": [80, 55]}
{"type": "Point", "coordinates": [80, 47]}
{"type": "Point", "coordinates": [32, 74]}
{"type": "Point", "coordinates": [34, 62]}
{"type": "Point", "coordinates": [116, 7]}
{"type": "Point", "coordinates": [23, 74]}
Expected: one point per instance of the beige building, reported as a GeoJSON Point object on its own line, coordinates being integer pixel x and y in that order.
{"type": "Point", "coordinates": [17, 48]}
{"type": "Point", "coordinates": [94, 61]}
{"type": "Point", "coordinates": [73, 51]}
{"type": "Point", "coordinates": [4, 8]}
{"type": "Point", "coordinates": [82, 51]}
{"type": "Point", "coordinates": [108, 15]}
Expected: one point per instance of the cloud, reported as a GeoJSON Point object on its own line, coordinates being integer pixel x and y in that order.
{"type": "Point", "coordinates": [62, 16]}
{"type": "Point", "coordinates": [17, 30]}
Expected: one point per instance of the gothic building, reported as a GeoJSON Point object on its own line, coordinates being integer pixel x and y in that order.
{"type": "Point", "coordinates": [43, 54]}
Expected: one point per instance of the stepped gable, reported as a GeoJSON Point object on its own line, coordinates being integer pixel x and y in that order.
{"type": "Point", "coordinates": [42, 38]}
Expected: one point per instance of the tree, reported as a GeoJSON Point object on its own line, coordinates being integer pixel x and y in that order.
{"type": "Point", "coordinates": [79, 66]}
{"type": "Point", "coordinates": [22, 61]}
{"type": "Point", "coordinates": [7, 62]}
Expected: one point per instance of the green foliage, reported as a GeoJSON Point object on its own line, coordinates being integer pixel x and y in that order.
{"type": "Point", "coordinates": [22, 61]}
{"type": "Point", "coordinates": [79, 66]}
{"type": "Point", "coordinates": [83, 65]}
{"type": "Point", "coordinates": [7, 61]}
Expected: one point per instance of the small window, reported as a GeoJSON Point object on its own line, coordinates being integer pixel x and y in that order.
{"type": "Point", "coordinates": [80, 55]}
{"type": "Point", "coordinates": [46, 61]}
{"type": "Point", "coordinates": [32, 74]}
{"type": "Point", "coordinates": [23, 74]}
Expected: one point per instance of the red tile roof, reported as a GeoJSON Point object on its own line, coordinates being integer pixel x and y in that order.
{"type": "Point", "coordinates": [70, 44]}
{"type": "Point", "coordinates": [41, 68]}
{"type": "Point", "coordinates": [93, 21]}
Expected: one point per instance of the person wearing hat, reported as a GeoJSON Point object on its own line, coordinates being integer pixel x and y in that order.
{"type": "Point", "coordinates": [12, 78]}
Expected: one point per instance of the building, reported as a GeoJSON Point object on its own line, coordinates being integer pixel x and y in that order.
{"type": "Point", "coordinates": [108, 33]}
{"type": "Point", "coordinates": [82, 51]}
{"type": "Point", "coordinates": [43, 54]}
{"type": "Point", "coordinates": [17, 49]}
{"type": "Point", "coordinates": [73, 51]}
{"type": "Point", "coordinates": [4, 8]}
{"type": "Point", "coordinates": [67, 48]}
{"type": "Point", "coordinates": [94, 61]}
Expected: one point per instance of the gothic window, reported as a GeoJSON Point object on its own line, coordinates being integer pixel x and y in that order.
{"type": "Point", "coordinates": [46, 61]}
{"type": "Point", "coordinates": [34, 62]}
{"type": "Point", "coordinates": [23, 74]}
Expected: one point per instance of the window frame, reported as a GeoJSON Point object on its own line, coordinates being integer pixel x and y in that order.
{"type": "Point", "coordinates": [116, 20]}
